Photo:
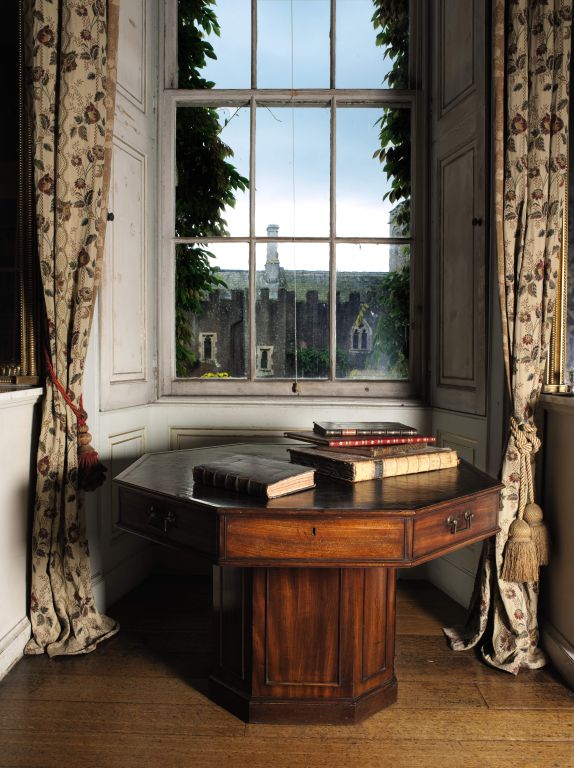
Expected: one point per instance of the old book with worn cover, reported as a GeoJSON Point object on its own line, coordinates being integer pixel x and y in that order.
{"type": "Point", "coordinates": [255, 475]}
{"type": "Point", "coordinates": [353, 468]}
{"type": "Point", "coordinates": [342, 442]}
{"type": "Point", "coordinates": [360, 428]}
{"type": "Point", "coordinates": [378, 451]}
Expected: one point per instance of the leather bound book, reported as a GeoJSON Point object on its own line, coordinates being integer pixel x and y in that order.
{"type": "Point", "coordinates": [353, 442]}
{"type": "Point", "coordinates": [353, 469]}
{"type": "Point", "coordinates": [379, 451]}
{"type": "Point", "coordinates": [255, 475]}
{"type": "Point", "coordinates": [359, 428]}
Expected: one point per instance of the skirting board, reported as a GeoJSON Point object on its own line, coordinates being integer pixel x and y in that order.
{"type": "Point", "coordinates": [560, 651]}
{"type": "Point", "coordinates": [12, 645]}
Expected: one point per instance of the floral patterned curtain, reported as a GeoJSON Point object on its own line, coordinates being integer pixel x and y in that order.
{"type": "Point", "coordinates": [73, 80]}
{"type": "Point", "coordinates": [531, 66]}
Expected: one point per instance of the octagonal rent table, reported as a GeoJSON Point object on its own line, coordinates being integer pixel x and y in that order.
{"type": "Point", "coordinates": [304, 585]}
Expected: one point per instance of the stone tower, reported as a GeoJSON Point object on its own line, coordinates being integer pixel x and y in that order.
{"type": "Point", "coordinates": [272, 266]}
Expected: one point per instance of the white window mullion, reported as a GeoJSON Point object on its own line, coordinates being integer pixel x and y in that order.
{"type": "Point", "coordinates": [332, 245]}
{"type": "Point", "coordinates": [252, 367]}
{"type": "Point", "coordinates": [333, 42]}
{"type": "Point", "coordinates": [253, 44]}
{"type": "Point", "coordinates": [309, 97]}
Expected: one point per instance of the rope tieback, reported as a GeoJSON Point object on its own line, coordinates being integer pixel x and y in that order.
{"type": "Point", "coordinates": [527, 547]}
{"type": "Point", "coordinates": [91, 472]}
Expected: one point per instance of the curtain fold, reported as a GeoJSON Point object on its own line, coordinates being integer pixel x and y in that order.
{"type": "Point", "coordinates": [72, 74]}
{"type": "Point", "coordinates": [530, 80]}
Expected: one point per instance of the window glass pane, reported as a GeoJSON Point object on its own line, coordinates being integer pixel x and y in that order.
{"type": "Point", "coordinates": [373, 172]}
{"type": "Point", "coordinates": [211, 299]}
{"type": "Point", "coordinates": [373, 311]}
{"type": "Point", "coordinates": [212, 153]}
{"type": "Point", "coordinates": [292, 310]}
{"type": "Point", "coordinates": [293, 43]}
{"type": "Point", "coordinates": [372, 44]}
{"type": "Point", "coordinates": [293, 171]}
{"type": "Point", "coordinates": [214, 43]}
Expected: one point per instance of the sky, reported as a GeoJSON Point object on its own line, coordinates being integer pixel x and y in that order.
{"type": "Point", "coordinates": [292, 155]}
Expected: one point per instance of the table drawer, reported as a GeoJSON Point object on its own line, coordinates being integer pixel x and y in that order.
{"type": "Point", "coordinates": [168, 521]}
{"type": "Point", "coordinates": [460, 523]}
{"type": "Point", "coordinates": [314, 539]}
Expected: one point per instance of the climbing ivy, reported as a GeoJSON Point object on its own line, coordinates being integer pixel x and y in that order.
{"type": "Point", "coordinates": [392, 333]}
{"type": "Point", "coordinates": [391, 20]}
{"type": "Point", "coordinates": [206, 179]}
{"type": "Point", "coordinates": [391, 338]}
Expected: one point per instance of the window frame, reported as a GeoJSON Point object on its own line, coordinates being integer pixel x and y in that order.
{"type": "Point", "coordinates": [170, 98]}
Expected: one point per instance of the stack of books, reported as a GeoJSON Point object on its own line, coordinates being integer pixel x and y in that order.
{"type": "Point", "coordinates": [355, 451]}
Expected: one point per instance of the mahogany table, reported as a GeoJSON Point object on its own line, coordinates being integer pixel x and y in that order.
{"type": "Point", "coordinates": [304, 585]}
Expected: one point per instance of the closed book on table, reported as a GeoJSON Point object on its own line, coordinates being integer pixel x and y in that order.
{"type": "Point", "coordinates": [354, 469]}
{"type": "Point", "coordinates": [361, 428]}
{"type": "Point", "coordinates": [255, 475]}
{"type": "Point", "coordinates": [379, 451]}
{"type": "Point", "coordinates": [352, 442]}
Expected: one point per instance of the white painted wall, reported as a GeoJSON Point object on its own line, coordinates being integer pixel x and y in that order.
{"type": "Point", "coordinates": [17, 414]}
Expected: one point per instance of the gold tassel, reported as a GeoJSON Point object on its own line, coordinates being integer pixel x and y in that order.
{"type": "Point", "coordinates": [520, 559]}
{"type": "Point", "coordinates": [534, 517]}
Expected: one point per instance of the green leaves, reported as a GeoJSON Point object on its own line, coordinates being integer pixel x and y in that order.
{"type": "Point", "coordinates": [206, 179]}
{"type": "Point", "coordinates": [392, 332]}
{"type": "Point", "coordinates": [391, 17]}
{"type": "Point", "coordinates": [196, 20]}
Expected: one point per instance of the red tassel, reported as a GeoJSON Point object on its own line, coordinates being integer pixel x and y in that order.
{"type": "Point", "coordinates": [91, 471]}
{"type": "Point", "coordinates": [88, 458]}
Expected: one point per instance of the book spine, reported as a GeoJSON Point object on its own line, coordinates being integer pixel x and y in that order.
{"type": "Point", "coordinates": [390, 466]}
{"type": "Point", "coordinates": [380, 451]}
{"type": "Point", "coordinates": [410, 465]}
{"type": "Point", "coordinates": [345, 442]}
{"type": "Point", "coordinates": [357, 432]}
{"type": "Point", "coordinates": [367, 432]}
{"type": "Point", "coordinates": [349, 471]}
{"type": "Point", "coordinates": [230, 481]}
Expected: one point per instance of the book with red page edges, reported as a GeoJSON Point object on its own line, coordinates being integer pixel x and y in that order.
{"type": "Point", "coordinates": [350, 442]}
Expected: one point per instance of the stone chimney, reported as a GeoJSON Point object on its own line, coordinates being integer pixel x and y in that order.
{"type": "Point", "coordinates": [272, 266]}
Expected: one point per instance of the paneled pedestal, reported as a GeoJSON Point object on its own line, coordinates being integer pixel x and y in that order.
{"type": "Point", "coordinates": [303, 645]}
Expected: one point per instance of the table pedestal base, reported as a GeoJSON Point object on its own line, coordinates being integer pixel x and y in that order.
{"type": "Point", "coordinates": [303, 645]}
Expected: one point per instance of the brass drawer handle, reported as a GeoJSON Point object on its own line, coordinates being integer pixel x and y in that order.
{"type": "Point", "coordinates": [158, 519]}
{"type": "Point", "coordinates": [452, 521]}
{"type": "Point", "coordinates": [168, 519]}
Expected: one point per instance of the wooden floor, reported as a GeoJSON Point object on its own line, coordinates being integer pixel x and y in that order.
{"type": "Point", "coordinates": [139, 701]}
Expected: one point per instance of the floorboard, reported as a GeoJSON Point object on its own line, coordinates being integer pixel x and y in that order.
{"type": "Point", "coordinates": [139, 700]}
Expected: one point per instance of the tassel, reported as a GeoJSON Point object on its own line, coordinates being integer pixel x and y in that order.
{"type": "Point", "coordinates": [91, 472]}
{"type": "Point", "coordinates": [534, 517]}
{"type": "Point", "coordinates": [520, 559]}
